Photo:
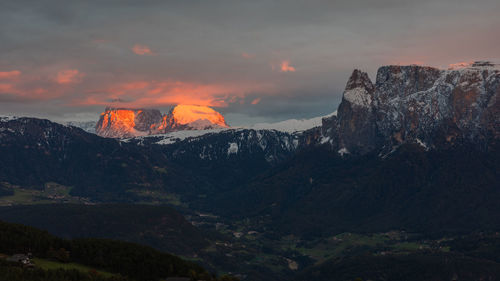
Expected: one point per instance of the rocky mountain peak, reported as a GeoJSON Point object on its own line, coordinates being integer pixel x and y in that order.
{"type": "Point", "coordinates": [359, 90]}
{"type": "Point", "coordinates": [417, 104]}
{"type": "Point", "coordinates": [130, 122]}
{"type": "Point", "coordinates": [359, 79]}
{"type": "Point", "coordinates": [356, 129]}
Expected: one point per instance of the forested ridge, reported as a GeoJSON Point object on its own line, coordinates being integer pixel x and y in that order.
{"type": "Point", "coordinates": [127, 261]}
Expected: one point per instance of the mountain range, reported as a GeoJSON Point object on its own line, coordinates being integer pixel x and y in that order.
{"type": "Point", "coordinates": [415, 150]}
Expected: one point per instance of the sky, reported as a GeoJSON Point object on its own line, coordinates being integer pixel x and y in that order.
{"type": "Point", "coordinates": [253, 61]}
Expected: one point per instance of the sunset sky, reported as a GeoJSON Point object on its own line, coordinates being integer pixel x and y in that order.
{"type": "Point", "coordinates": [254, 61]}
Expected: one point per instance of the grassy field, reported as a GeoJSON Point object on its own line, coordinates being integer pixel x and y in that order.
{"type": "Point", "coordinates": [158, 197]}
{"type": "Point", "coordinates": [47, 264]}
{"type": "Point", "coordinates": [50, 193]}
{"type": "Point", "coordinates": [23, 196]}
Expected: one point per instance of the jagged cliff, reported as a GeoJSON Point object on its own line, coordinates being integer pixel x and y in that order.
{"type": "Point", "coordinates": [416, 104]}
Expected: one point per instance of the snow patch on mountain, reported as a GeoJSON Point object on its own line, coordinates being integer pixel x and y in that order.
{"type": "Point", "coordinates": [87, 126]}
{"type": "Point", "coordinates": [8, 118]}
{"type": "Point", "coordinates": [173, 137]}
{"type": "Point", "coordinates": [358, 96]}
{"type": "Point", "coordinates": [292, 125]}
{"type": "Point", "coordinates": [343, 151]}
{"type": "Point", "coordinates": [232, 149]}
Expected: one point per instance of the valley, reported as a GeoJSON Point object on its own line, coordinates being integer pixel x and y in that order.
{"type": "Point", "coordinates": [402, 180]}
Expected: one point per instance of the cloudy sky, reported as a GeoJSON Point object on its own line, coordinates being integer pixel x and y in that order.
{"type": "Point", "coordinates": [253, 61]}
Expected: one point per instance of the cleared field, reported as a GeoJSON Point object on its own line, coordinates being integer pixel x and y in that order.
{"type": "Point", "coordinates": [47, 264]}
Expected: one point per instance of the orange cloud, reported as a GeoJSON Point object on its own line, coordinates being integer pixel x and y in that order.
{"type": "Point", "coordinates": [5, 87]}
{"type": "Point", "coordinates": [9, 74]}
{"type": "Point", "coordinates": [247, 55]}
{"type": "Point", "coordinates": [69, 76]}
{"type": "Point", "coordinates": [286, 67]}
{"type": "Point", "coordinates": [256, 101]}
{"type": "Point", "coordinates": [141, 50]}
{"type": "Point", "coordinates": [26, 93]}
{"type": "Point", "coordinates": [167, 92]}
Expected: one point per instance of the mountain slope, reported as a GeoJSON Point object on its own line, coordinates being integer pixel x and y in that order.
{"type": "Point", "coordinates": [321, 193]}
{"type": "Point", "coordinates": [36, 151]}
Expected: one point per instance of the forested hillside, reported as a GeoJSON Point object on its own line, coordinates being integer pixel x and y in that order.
{"type": "Point", "coordinates": [126, 261]}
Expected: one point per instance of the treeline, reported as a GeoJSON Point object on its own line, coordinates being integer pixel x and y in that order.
{"type": "Point", "coordinates": [134, 261]}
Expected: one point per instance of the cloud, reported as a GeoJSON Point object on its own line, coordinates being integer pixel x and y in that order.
{"type": "Point", "coordinates": [286, 67]}
{"type": "Point", "coordinates": [6, 87]}
{"type": "Point", "coordinates": [69, 76]}
{"type": "Point", "coordinates": [256, 101]}
{"type": "Point", "coordinates": [227, 45]}
{"type": "Point", "coordinates": [247, 55]}
{"type": "Point", "coordinates": [141, 50]}
{"type": "Point", "coordinates": [169, 92]}
{"type": "Point", "coordinates": [9, 74]}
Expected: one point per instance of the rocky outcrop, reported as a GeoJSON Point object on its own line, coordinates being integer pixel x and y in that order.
{"type": "Point", "coordinates": [126, 122]}
{"type": "Point", "coordinates": [355, 116]}
{"type": "Point", "coordinates": [417, 104]}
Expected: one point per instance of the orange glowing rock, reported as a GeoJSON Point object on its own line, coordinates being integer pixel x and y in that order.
{"type": "Point", "coordinates": [185, 114]}
{"type": "Point", "coordinates": [124, 122]}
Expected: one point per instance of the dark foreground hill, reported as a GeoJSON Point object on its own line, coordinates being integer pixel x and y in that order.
{"type": "Point", "coordinates": [160, 227]}
{"type": "Point", "coordinates": [126, 261]}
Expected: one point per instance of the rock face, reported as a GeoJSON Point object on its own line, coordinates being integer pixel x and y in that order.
{"type": "Point", "coordinates": [191, 117]}
{"type": "Point", "coordinates": [127, 123]}
{"type": "Point", "coordinates": [416, 104]}
{"type": "Point", "coordinates": [356, 130]}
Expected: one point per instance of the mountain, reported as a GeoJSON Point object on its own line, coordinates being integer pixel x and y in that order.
{"type": "Point", "coordinates": [126, 122]}
{"type": "Point", "coordinates": [37, 151]}
{"type": "Point", "coordinates": [415, 151]}
{"type": "Point", "coordinates": [416, 104]}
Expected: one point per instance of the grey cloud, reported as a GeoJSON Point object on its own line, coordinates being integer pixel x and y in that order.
{"type": "Point", "coordinates": [202, 42]}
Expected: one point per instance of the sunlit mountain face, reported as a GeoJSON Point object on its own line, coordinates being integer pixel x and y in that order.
{"type": "Point", "coordinates": [130, 122]}
{"type": "Point", "coordinates": [185, 114]}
